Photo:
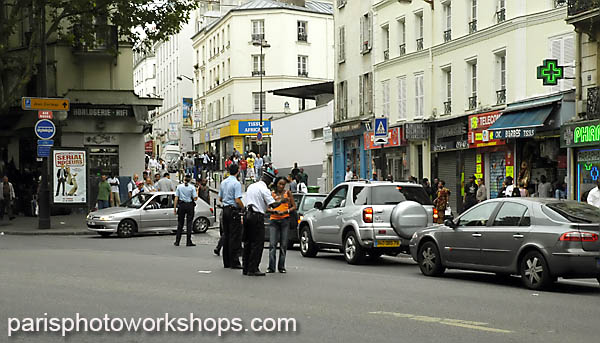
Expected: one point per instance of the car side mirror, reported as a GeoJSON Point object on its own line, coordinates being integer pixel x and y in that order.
{"type": "Point", "coordinates": [450, 223]}
{"type": "Point", "coordinates": [318, 205]}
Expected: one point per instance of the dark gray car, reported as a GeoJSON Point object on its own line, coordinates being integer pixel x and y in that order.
{"type": "Point", "coordinates": [539, 239]}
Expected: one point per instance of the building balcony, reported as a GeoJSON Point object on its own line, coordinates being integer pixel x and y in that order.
{"type": "Point", "coordinates": [473, 26]}
{"type": "Point", "coordinates": [501, 15]}
{"type": "Point", "coordinates": [448, 107]}
{"type": "Point", "coordinates": [584, 13]}
{"type": "Point", "coordinates": [501, 97]}
{"type": "Point", "coordinates": [419, 44]}
{"type": "Point", "coordinates": [386, 54]}
{"type": "Point", "coordinates": [258, 73]}
{"type": "Point", "coordinates": [447, 35]}
{"type": "Point", "coordinates": [303, 73]}
{"type": "Point", "coordinates": [341, 3]}
{"type": "Point", "coordinates": [402, 49]}
{"type": "Point", "coordinates": [106, 40]}
{"type": "Point", "coordinates": [302, 37]}
{"type": "Point", "coordinates": [258, 37]}
{"type": "Point", "coordinates": [365, 47]}
{"type": "Point", "coordinates": [473, 102]}
{"type": "Point", "coordinates": [593, 103]}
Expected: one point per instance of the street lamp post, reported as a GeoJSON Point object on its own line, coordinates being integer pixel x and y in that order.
{"type": "Point", "coordinates": [263, 44]}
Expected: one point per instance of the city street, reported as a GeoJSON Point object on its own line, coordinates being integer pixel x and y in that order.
{"type": "Point", "coordinates": [386, 301]}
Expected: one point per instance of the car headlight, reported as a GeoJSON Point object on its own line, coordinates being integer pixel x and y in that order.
{"type": "Point", "coordinates": [89, 216]}
{"type": "Point", "coordinates": [106, 218]}
{"type": "Point", "coordinates": [414, 235]}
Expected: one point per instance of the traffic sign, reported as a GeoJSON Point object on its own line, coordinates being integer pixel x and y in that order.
{"type": "Point", "coordinates": [380, 135]}
{"type": "Point", "coordinates": [259, 135]}
{"type": "Point", "coordinates": [44, 129]}
{"type": "Point", "coordinates": [50, 104]}
{"type": "Point", "coordinates": [48, 142]}
{"type": "Point", "coordinates": [45, 114]}
{"type": "Point", "coordinates": [43, 150]}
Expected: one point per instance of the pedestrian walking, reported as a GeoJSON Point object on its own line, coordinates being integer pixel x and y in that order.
{"type": "Point", "coordinates": [259, 199]}
{"type": "Point", "coordinates": [243, 168]}
{"type": "Point", "coordinates": [250, 171]}
{"type": "Point", "coordinates": [349, 174]}
{"type": "Point", "coordinates": [295, 171]}
{"type": "Point", "coordinates": [181, 168]}
{"type": "Point", "coordinates": [230, 195]}
{"type": "Point", "coordinates": [544, 188]}
{"type": "Point", "coordinates": [189, 164]}
{"type": "Point", "coordinates": [132, 185]}
{"type": "Point", "coordinates": [481, 191]}
{"type": "Point", "coordinates": [441, 201]}
{"type": "Point", "coordinates": [303, 176]}
{"type": "Point", "coordinates": [7, 197]}
{"type": "Point", "coordinates": [280, 225]}
{"type": "Point", "coordinates": [103, 193]}
{"type": "Point", "coordinates": [301, 187]}
{"type": "Point", "coordinates": [258, 165]}
{"type": "Point", "coordinates": [593, 197]}
{"type": "Point", "coordinates": [292, 183]}
{"type": "Point", "coordinates": [115, 198]}
{"type": "Point", "coordinates": [204, 191]}
{"type": "Point", "coordinates": [165, 184]}
{"type": "Point", "coordinates": [153, 164]}
{"type": "Point", "coordinates": [470, 198]}
{"type": "Point", "coordinates": [183, 207]}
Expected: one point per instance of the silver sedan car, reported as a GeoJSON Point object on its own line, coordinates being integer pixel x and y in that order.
{"type": "Point", "coordinates": [146, 212]}
{"type": "Point", "coordinates": [538, 239]}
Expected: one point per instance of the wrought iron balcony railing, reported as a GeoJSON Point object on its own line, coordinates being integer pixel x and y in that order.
{"type": "Point", "coordinates": [447, 35]}
{"type": "Point", "coordinates": [386, 54]}
{"type": "Point", "coordinates": [473, 26]}
{"type": "Point", "coordinates": [402, 49]}
{"type": "Point", "coordinates": [575, 7]}
{"type": "Point", "coordinates": [501, 97]}
{"type": "Point", "coordinates": [448, 107]}
{"type": "Point", "coordinates": [593, 103]}
{"type": "Point", "coordinates": [302, 37]}
{"type": "Point", "coordinates": [473, 102]}
{"type": "Point", "coordinates": [258, 37]}
{"type": "Point", "coordinates": [419, 44]}
{"type": "Point", "coordinates": [258, 72]}
{"type": "Point", "coordinates": [501, 15]}
{"type": "Point", "coordinates": [105, 39]}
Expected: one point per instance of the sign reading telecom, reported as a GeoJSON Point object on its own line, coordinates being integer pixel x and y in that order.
{"type": "Point", "coordinates": [250, 127]}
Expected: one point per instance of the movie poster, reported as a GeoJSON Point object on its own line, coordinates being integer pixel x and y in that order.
{"type": "Point", "coordinates": [69, 177]}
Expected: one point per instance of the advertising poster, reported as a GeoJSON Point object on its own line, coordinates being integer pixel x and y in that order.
{"type": "Point", "coordinates": [69, 176]}
{"type": "Point", "coordinates": [187, 112]}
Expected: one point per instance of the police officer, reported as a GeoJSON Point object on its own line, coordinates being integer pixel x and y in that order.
{"type": "Point", "coordinates": [260, 201]}
{"type": "Point", "coordinates": [185, 197]}
{"type": "Point", "coordinates": [230, 195]}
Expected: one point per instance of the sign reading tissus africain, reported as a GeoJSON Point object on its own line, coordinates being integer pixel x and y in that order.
{"type": "Point", "coordinates": [585, 133]}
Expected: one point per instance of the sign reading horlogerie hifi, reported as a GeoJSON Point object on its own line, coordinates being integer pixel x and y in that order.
{"type": "Point", "coordinates": [479, 135]}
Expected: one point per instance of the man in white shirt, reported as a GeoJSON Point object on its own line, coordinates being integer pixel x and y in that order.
{"type": "Point", "coordinates": [114, 183]}
{"type": "Point", "coordinates": [594, 195]}
{"type": "Point", "coordinates": [153, 164]}
{"type": "Point", "coordinates": [165, 184]}
{"type": "Point", "coordinates": [131, 186]}
{"type": "Point", "coordinates": [349, 174]}
{"type": "Point", "coordinates": [258, 201]}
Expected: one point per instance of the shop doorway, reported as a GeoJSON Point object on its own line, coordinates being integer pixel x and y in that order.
{"type": "Point", "coordinates": [102, 160]}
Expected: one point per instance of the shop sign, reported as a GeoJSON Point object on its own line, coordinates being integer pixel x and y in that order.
{"type": "Point", "coordinates": [393, 139]}
{"type": "Point", "coordinates": [327, 134]}
{"type": "Point", "coordinates": [149, 146]}
{"type": "Point", "coordinates": [69, 177]}
{"type": "Point", "coordinates": [347, 128]}
{"type": "Point", "coordinates": [458, 129]}
{"type": "Point", "coordinates": [450, 146]}
{"type": "Point", "coordinates": [173, 131]}
{"type": "Point", "coordinates": [588, 156]}
{"type": "Point", "coordinates": [416, 131]}
{"type": "Point", "coordinates": [100, 139]}
{"type": "Point", "coordinates": [479, 135]}
{"type": "Point", "coordinates": [250, 127]}
{"type": "Point", "coordinates": [580, 134]}
{"type": "Point", "coordinates": [101, 112]}
{"type": "Point", "coordinates": [513, 133]}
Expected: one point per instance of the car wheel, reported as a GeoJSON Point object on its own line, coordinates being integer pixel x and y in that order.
{"type": "Point", "coordinates": [126, 228]}
{"type": "Point", "coordinates": [534, 271]}
{"type": "Point", "coordinates": [429, 260]}
{"type": "Point", "coordinates": [105, 234]}
{"type": "Point", "coordinates": [200, 225]}
{"type": "Point", "coordinates": [353, 252]}
{"type": "Point", "coordinates": [308, 248]}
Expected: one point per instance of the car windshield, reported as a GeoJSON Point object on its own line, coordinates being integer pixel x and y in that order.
{"type": "Point", "coordinates": [310, 201]}
{"type": "Point", "coordinates": [574, 212]}
{"type": "Point", "coordinates": [171, 157]}
{"type": "Point", "coordinates": [137, 201]}
{"type": "Point", "coordinates": [393, 194]}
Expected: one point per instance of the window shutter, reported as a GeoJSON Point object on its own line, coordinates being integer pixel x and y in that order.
{"type": "Point", "coordinates": [361, 92]}
{"type": "Point", "coordinates": [370, 93]}
{"type": "Point", "coordinates": [362, 32]}
{"type": "Point", "coordinates": [556, 53]}
{"type": "Point", "coordinates": [402, 97]}
{"type": "Point", "coordinates": [568, 60]}
{"type": "Point", "coordinates": [370, 29]}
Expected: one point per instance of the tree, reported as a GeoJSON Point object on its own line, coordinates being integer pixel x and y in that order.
{"type": "Point", "coordinates": [139, 22]}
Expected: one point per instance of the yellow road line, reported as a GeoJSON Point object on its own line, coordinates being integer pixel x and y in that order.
{"type": "Point", "coordinates": [445, 321]}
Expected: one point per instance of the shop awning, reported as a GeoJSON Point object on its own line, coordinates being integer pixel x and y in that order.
{"type": "Point", "coordinates": [520, 124]}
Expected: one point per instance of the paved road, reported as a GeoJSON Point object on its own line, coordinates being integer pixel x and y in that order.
{"type": "Point", "coordinates": [388, 301]}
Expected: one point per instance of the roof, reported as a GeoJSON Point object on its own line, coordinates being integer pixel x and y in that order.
{"type": "Point", "coordinates": [307, 91]}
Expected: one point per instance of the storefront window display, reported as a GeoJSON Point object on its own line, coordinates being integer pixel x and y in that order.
{"type": "Point", "coordinates": [588, 171]}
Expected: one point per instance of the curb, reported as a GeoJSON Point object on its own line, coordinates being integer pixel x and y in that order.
{"type": "Point", "coordinates": [45, 233]}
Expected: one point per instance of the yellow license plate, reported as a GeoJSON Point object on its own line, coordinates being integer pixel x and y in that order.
{"type": "Point", "coordinates": [387, 244]}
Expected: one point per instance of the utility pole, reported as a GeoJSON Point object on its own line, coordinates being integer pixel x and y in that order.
{"type": "Point", "coordinates": [44, 193]}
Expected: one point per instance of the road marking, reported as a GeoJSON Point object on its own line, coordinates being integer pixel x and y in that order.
{"type": "Point", "coordinates": [445, 321]}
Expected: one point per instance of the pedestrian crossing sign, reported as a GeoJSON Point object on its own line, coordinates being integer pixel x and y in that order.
{"type": "Point", "coordinates": [380, 135]}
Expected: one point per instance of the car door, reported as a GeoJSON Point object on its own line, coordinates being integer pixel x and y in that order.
{"type": "Point", "coordinates": [157, 215]}
{"type": "Point", "coordinates": [328, 219]}
{"type": "Point", "coordinates": [463, 244]}
{"type": "Point", "coordinates": [503, 238]}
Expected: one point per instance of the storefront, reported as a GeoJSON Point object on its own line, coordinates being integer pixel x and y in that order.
{"type": "Point", "coordinates": [349, 151]}
{"type": "Point", "coordinates": [416, 136]}
{"type": "Point", "coordinates": [582, 139]}
{"type": "Point", "coordinates": [532, 127]}
{"type": "Point", "coordinates": [389, 159]}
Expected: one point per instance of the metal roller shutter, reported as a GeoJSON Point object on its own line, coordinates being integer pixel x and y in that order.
{"type": "Point", "coordinates": [470, 166]}
{"type": "Point", "coordinates": [447, 162]}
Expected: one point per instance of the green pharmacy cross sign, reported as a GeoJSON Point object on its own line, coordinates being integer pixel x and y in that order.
{"type": "Point", "coordinates": [550, 72]}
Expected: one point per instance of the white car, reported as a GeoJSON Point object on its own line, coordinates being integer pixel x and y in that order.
{"type": "Point", "coordinates": [147, 212]}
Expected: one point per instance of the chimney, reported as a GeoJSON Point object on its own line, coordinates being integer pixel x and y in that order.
{"type": "Point", "coordinates": [300, 3]}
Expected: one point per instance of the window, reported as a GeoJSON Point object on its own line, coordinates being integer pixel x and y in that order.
{"type": "Point", "coordinates": [386, 42]}
{"type": "Point", "coordinates": [447, 22]}
{"type": "Point", "coordinates": [401, 37]}
{"type": "Point", "coordinates": [360, 195]}
{"type": "Point", "coordinates": [302, 33]}
{"type": "Point", "coordinates": [391, 194]}
{"type": "Point", "coordinates": [563, 49]}
{"type": "Point", "coordinates": [258, 30]}
{"type": "Point", "coordinates": [501, 13]}
{"type": "Point", "coordinates": [228, 36]}
{"type": "Point", "coordinates": [419, 96]}
{"type": "Point", "coordinates": [365, 94]}
{"type": "Point", "coordinates": [302, 65]}
{"type": "Point", "coordinates": [448, 96]}
{"type": "Point", "coordinates": [572, 212]}
{"type": "Point", "coordinates": [510, 214]}
{"type": "Point", "coordinates": [218, 108]}
{"type": "Point", "coordinates": [257, 101]}
{"type": "Point", "coordinates": [366, 33]}
{"type": "Point", "coordinates": [342, 100]}
{"type": "Point", "coordinates": [473, 17]}
{"type": "Point", "coordinates": [336, 198]}
{"type": "Point", "coordinates": [501, 78]}
{"type": "Point", "coordinates": [401, 97]}
{"type": "Point", "coordinates": [317, 133]}
{"type": "Point", "coordinates": [229, 68]}
{"type": "Point", "coordinates": [477, 216]}
{"type": "Point", "coordinates": [258, 62]}
{"type": "Point", "coordinates": [419, 30]}
{"type": "Point", "coordinates": [472, 69]}
{"type": "Point", "coordinates": [385, 90]}
{"type": "Point", "coordinates": [229, 105]}
{"type": "Point", "coordinates": [341, 44]}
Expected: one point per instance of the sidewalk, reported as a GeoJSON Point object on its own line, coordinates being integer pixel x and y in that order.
{"type": "Point", "coordinates": [73, 224]}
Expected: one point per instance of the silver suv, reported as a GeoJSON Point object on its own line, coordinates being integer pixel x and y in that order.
{"type": "Point", "coordinates": [363, 218]}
